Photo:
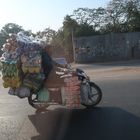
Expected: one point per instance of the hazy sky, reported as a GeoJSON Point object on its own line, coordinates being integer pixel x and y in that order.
{"type": "Point", "coordinates": [40, 14]}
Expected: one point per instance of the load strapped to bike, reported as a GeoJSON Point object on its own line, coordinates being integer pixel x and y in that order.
{"type": "Point", "coordinates": [22, 73]}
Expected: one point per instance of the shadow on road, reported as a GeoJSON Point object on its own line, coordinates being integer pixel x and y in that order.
{"type": "Point", "coordinates": [105, 123]}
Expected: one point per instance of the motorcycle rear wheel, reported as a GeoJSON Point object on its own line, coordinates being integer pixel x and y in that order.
{"type": "Point", "coordinates": [92, 100]}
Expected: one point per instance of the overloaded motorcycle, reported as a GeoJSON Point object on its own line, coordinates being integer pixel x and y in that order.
{"type": "Point", "coordinates": [22, 73]}
{"type": "Point", "coordinates": [90, 93]}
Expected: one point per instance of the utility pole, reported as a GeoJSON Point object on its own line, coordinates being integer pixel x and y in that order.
{"type": "Point", "coordinates": [73, 46]}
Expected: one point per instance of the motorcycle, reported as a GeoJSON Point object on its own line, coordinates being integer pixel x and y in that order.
{"type": "Point", "coordinates": [23, 82]}
{"type": "Point", "coordinates": [90, 93]}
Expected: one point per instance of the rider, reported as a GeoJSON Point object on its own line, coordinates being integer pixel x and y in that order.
{"type": "Point", "coordinates": [48, 64]}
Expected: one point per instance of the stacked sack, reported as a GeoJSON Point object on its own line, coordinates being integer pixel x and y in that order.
{"type": "Point", "coordinates": [30, 62]}
{"type": "Point", "coordinates": [30, 54]}
{"type": "Point", "coordinates": [21, 63]}
{"type": "Point", "coordinates": [10, 64]}
{"type": "Point", "coordinates": [34, 81]}
{"type": "Point", "coordinates": [72, 91]}
{"type": "Point", "coordinates": [11, 76]}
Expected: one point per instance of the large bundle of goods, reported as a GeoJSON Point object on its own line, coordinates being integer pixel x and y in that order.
{"type": "Point", "coordinates": [33, 81]}
{"type": "Point", "coordinates": [10, 62]}
{"type": "Point", "coordinates": [11, 74]}
{"type": "Point", "coordinates": [29, 53]}
{"type": "Point", "coordinates": [21, 62]}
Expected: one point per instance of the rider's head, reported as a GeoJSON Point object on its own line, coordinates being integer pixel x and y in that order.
{"type": "Point", "coordinates": [48, 48]}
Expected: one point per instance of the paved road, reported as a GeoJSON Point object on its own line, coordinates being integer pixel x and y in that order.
{"type": "Point", "coordinates": [116, 118]}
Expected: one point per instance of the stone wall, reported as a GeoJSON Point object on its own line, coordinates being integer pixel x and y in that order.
{"type": "Point", "coordinates": [110, 47]}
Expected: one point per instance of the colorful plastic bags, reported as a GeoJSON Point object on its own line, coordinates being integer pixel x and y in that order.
{"type": "Point", "coordinates": [43, 95]}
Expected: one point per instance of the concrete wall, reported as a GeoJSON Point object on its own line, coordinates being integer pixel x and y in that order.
{"type": "Point", "coordinates": [110, 47]}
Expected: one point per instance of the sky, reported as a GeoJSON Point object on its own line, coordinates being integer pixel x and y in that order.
{"type": "Point", "coordinates": [37, 15]}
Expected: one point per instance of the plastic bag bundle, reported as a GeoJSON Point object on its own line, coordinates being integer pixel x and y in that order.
{"type": "Point", "coordinates": [43, 95]}
{"type": "Point", "coordinates": [10, 51]}
{"type": "Point", "coordinates": [31, 62]}
{"type": "Point", "coordinates": [30, 52]}
{"type": "Point", "coordinates": [21, 65]}
{"type": "Point", "coordinates": [72, 91]}
{"type": "Point", "coordinates": [20, 92]}
{"type": "Point", "coordinates": [10, 64]}
{"type": "Point", "coordinates": [33, 81]}
{"type": "Point", "coordinates": [11, 75]}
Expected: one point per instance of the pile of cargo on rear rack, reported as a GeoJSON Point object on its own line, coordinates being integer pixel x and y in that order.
{"type": "Point", "coordinates": [72, 91]}
{"type": "Point", "coordinates": [21, 64]}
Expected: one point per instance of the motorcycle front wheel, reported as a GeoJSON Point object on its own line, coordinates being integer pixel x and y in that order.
{"type": "Point", "coordinates": [94, 96]}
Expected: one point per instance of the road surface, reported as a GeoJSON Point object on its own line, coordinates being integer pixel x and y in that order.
{"type": "Point", "coordinates": [117, 117]}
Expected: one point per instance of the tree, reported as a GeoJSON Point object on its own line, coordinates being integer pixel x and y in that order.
{"type": "Point", "coordinates": [47, 34]}
{"type": "Point", "coordinates": [63, 38]}
{"type": "Point", "coordinates": [11, 28]}
{"type": "Point", "coordinates": [133, 15]}
{"type": "Point", "coordinates": [69, 27]}
{"type": "Point", "coordinates": [6, 30]}
{"type": "Point", "coordinates": [58, 39]}
{"type": "Point", "coordinates": [85, 30]}
{"type": "Point", "coordinates": [94, 17]}
{"type": "Point", "coordinates": [29, 33]}
{"type": "Point", "coordinates": [115, 15]}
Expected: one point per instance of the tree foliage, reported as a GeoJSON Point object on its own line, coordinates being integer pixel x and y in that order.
{"type": "Point", "coordinates": [118, 16]}
{"type": "Point", "coordinates": [86, 16]}
{"type": "Point", "coordinates": [6, 30]}
{"type": "Point", "coordinates": [133, 15]}
{"type": "Point", "coordinates": [11, 28]}
{"type": "Point", "coordinates": [47, 34]}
